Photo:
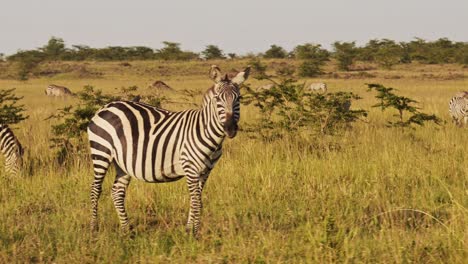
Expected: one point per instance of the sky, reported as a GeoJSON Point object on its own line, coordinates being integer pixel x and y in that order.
{"type": "Point", "coordinates": [239, 26]}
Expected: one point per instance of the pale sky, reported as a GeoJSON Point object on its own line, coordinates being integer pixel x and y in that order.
{"type": "Point", "coordinates": [238, 26]}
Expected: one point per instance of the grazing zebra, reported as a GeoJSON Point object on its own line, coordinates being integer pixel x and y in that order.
{"type": "Point", "coordinates": [265, 87]}
{"type": "Point", "coordinates": [316, 87]}
{"type": "Point", "coordinates": [156, 145]}
{"type": "Point", "coordinates": [55, 90]}
{"type": "Point", "coordinates": [458, 108]}
{"type": "Point", "coordinates": [11, 149]}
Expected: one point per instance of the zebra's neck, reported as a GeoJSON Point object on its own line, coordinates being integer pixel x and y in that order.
{"type": "Point", "coordinates": [210, 123]}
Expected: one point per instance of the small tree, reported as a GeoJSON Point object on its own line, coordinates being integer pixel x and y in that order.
{"type": "Point", "coordinates": [10, 112]}
{"type": "Point", "coordinates": [275, 52]}
{"type": "Point", "coordinates": [286, 108]}
{"type": "Point", "coordinates": [212, 52]}
{"type": "Point", "coordinates": [232, 56]}
{"type": "Point", "coordinates": [345, 53]}
{"type": "Point", "coordinates": [388, 99]}
{"type": "Point", "coordinates": [389, 53]}
{"type": "Point", "coordinates": [310, 68]}
{"type": "Point", "coordinates": [314, 57]}
{"type": "Point", "coordinates": [26, 62]}
{"type": "Point", "coordinates": [54, 48]}
{"type": "Point", "coordinates": [310, 51]}
{"type": "Point", "coordinates": [172, 51]}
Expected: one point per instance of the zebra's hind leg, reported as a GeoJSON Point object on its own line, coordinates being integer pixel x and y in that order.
{"type": "Point", "coordinates": [119, 190]}
{"type": "Point", "coordinates": [100, 165]}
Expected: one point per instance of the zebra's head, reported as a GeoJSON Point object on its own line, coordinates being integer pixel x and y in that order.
{"type": "Point", "coordinates": [226, 95]}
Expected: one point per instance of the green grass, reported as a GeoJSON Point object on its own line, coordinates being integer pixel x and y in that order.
{"type": "Point", "coordinates": [380, 196]}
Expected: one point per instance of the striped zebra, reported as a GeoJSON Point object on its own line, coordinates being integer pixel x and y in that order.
{"type": "Point", "coordinates": [458, 108]}
{"type": "Point", "coordinates": [316, 87]}
{"type": "Point", "coordinates": [11, 149]}
{"type": "Point", "coordinates": [156, 145]}
{"type": "Point", "coordinates": [56, 90]}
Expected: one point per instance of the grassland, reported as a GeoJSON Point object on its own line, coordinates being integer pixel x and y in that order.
{"type": "Point", "coordinates": [381, 195]}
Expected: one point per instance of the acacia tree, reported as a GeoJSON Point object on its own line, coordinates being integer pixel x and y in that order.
{"type": "Point", "coordinates": [275, 52]}
{"type": "Point", "coordinates": [212, 52]}
{"type": "Point", "coordinates": [314, 57]}
{"type": "Point", "coordinates": [10, 111]}
{"type": "Point", "coordinates": [345, 53]}
{"type": "Point", "coordinates": [54, 48]}
{"type": "Point", "coordinates": [172, 51]}
{"type": "Point", "coordinates": [404, 105]}
{"type": "Point", "coordinates": [287, 109]}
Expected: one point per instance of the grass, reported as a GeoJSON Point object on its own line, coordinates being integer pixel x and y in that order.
{"type": "Point", "coordinates": [382, 196]}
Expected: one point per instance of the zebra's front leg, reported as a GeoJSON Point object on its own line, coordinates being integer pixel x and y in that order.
{"type": "Point", "coordinates": [119, 190]}
{"type": "Point", "coordinates": [195, 190]}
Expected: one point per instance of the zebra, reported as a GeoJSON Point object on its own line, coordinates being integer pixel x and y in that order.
{"type": "Point", "coordinates": [56, 90]}
{"type": "Point", "coordinates": [314, 87]}
{"type": "Point", "coordinates": [265, 87]}
{"type": "Point", "coordinates": [157, 145]}
{"type": "Point", "coordinates": [458, 108]}
{"type": "Point", "coordinates": [11, 149]}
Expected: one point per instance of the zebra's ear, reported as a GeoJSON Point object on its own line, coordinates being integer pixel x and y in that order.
{"type": "Point", "coordinates": [215, 73]}
{"type": "Point", "coordinates": [241, 76]}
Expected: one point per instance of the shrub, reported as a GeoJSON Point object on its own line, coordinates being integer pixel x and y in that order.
{"type": "Point", "coordinates": [10, 111]}
{"type": "Point", "coordinates": [404, 105]}
{"type": "Point", "coordinates": [287, 109]}
{"type": "Point", "coordinates": [310, 68]}
{"type": "Point", "coordinates": [212, 52]}
{"type": "Point", "coordinates": [345, 53]}
{"type": "Point", "coordinates": [275, 52]}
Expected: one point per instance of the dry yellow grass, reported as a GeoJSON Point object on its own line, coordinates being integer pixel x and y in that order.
{"type": "Point", "coordinates": [383, 196]}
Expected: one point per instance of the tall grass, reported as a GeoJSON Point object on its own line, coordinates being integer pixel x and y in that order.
{"type": "Point", "coordinates": [375, 194]}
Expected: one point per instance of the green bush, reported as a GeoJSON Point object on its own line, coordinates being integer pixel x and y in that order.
{"type": "Point", "coordinates": [10, 112]}
{"type": "Point", "coordinates": [310, 68]}
{"type": "Point", "coordinates": [405, 106]}
{"type": "Point", "coordinates": [212, 52]}
{"type": "Point", "coordinates": [286, 109]}
{"type": "Point", "coordinates": [275, 52]}
{"type": "Point", "coordinates": [345, 53]}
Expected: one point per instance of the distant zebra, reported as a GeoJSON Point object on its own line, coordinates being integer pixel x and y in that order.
{"type": "Point", "coordinates": [458, 108]}
{"type": "Point", "coordinates": [56, 90]}
{"type": "Point", "coordinates": [316, 87]}
{"type": "Point", "coordinates": [156, 145]}
{"type": "Point", "coordinates": [264, 87]}
{"type": "Point", "coordinates": [11, 149]}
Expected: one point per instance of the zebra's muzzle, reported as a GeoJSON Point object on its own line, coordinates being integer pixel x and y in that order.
{"type": "Point", "coordinates": [230, 126]}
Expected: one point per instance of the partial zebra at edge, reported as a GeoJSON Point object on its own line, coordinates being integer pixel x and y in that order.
{"type": "Point", "coordinates": [11, 149]}
{"type": "Point", "coordinates": [458, 108]}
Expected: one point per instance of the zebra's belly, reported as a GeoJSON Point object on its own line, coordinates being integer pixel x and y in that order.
{"type": "Point", "coordinates": [168, 173]}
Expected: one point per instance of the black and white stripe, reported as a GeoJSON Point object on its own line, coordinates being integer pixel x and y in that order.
{"type": "Point", "coordinates": [156, 145]}
{"type": "Point", "coordinates": [11, 149]}
{"type": "Point", "coordinates": [458, 108]}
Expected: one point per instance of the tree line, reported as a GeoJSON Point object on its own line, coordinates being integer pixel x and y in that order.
{"type": "Point", "coordinates": [384, 52]}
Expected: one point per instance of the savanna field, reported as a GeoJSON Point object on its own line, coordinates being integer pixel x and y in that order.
{"type": "Point", "coordinates": [373, 194]}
